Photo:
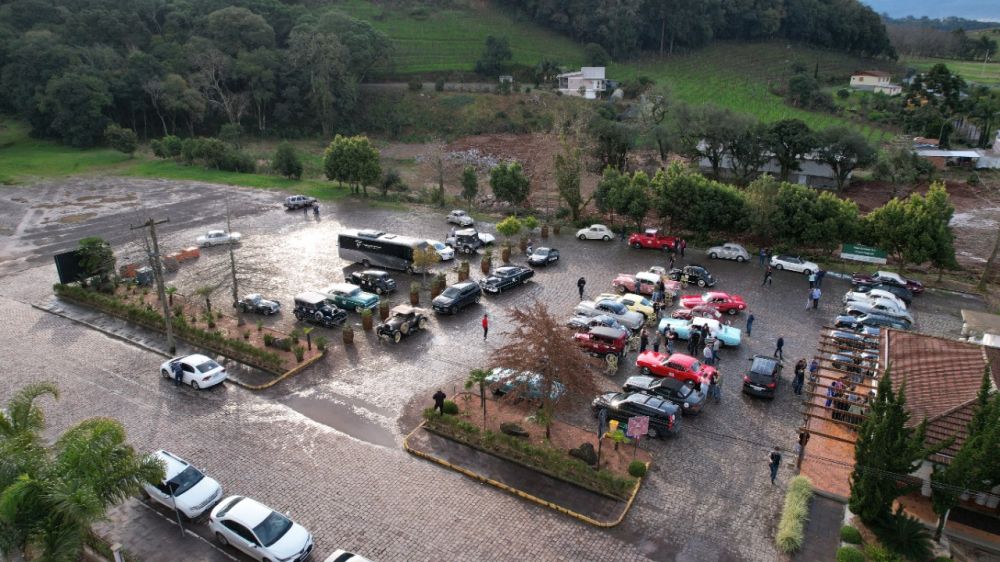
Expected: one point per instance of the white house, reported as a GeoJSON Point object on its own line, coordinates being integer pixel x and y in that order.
{"type": "Point", "coordinates": [875, 81]}
{"type": "Point", "coordinates": [588, 82]}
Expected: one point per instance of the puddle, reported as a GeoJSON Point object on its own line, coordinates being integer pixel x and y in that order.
{"type": "Point", "coordinates": [345, 416]}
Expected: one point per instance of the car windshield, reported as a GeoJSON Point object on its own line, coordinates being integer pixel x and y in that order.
{"type": "Point", "coordinates": [762, 366]}
{"type": "Point", "coordinates": [695, 366]}
{"type": "Point", "coordinates": [542, 251]}
{"type": "Point", "coordinates": [272, 528]}
{"type": "Point", "coordinates": [451, 292]}
{"type": "Point", "coordinates": [352, 292]}
{"type": "Point", "coordinates": [683, 391]}
{"type": "Point", "coordinates": [616, 307]}
{"type": "Point", "coordinates": [207, 366]}
{"type": "Point", "coordinates": [645, 302]}
{"type": "Point", "coordinates": [439, 246]}
{"type": "Point", "coordinates": [185, 480]}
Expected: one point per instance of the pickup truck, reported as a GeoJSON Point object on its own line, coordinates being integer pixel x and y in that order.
{"type": "Point", "coordinates": [299, 201]}
{"type": "Point", "coordinates": [651, 238]}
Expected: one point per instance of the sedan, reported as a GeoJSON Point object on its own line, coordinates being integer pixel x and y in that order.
{"type": "Point", "coordinates": [256, 303]}
{"type": "Point", "coordinates": [460, 217]}
{"type": "Point", "coordinates": [888, 278]}
{"type": "Point", "coordinates": [635, 303]}
{"type": "Point", "coordinates": [762, 377]}
{"type": "Point", "coordinates": [700, 311]}
{"type": "Point", "coordinates": [678, 392]}
{"type": "Point", "coordinates": [521, 385]}
{"type": "Point", "coordinates": [728, 335]}
{"type": "Point", "coordinates": [901, 293]}
{"type": "Point", "coordinates": [457, 297]}
{"type": "Point", "coordinates": [631, 320]}
{"type": "Point", "coordinates": [350, 297]}
{"type": "Point", "coordinates": [217, 237]}
{"type": "Point", "coordinates": [259, 531]}
{"type": "Point", "coordinates": [874, 295]}
{"type": "Point", "coordinates": [196, 370]}
{"type": "Point", "coordinates": [585, 323]}
{"type": "Point", "coordinates": [183, 486]}
{"type": "Point", "coordinates": [623, 406]}
{"type": "Point", "coordinates": [543, 256]}
{"type": "Point", "coordinates": [506, 277]}
{"type": "Point", "coordinates": [595, 232]}
{"type": "Point", "coordinates": [677, 366]}
{"type": "Point", "coordinates": [694, 275]}
{"type": "Point", "coordinates": [880, 308]}
{"type": "Point", "coordinates": [723, 302]}
{"type": "Point", "coordinates": [729, 251]}
{"type": "Point", "coordinates": [444, 251]}
{"type": "Point", "coordinates": [793, 263]}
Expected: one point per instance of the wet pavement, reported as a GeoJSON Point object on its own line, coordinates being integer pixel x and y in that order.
{"type": "Point", "coordinates": [326, 442]}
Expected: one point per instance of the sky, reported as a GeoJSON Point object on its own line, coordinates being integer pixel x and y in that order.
{"type": "Point", "coordinates": [985, 10]}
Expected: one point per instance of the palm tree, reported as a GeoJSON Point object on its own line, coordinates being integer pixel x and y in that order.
{"type": "Point", "coordinates": [205, 292]}
{"type": "Point", "coordinates": [51, 495]}
{"type": "Point", "coordinates": [306, 332]}
{"type": "Point", "coordinates": [170, 294]}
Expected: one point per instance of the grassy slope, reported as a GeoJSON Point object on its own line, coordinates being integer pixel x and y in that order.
{"type": "Point", "coordinates": [986, 74]}
{"type": "Point", "coordinates": [23, 157]}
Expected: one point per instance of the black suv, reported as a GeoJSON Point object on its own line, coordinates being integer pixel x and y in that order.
{"type": "Point", "coordinates": [315, 309]}
{"type": "Point", "coordinates": [373, 281]}
{"type": "Point", "coordinates": [457, 297]}
{"type": "Point", "coordinates": [763, 376]}
{"type": "Point", "coordinates": [621, 406]}
{"type": "Point", "coordinates": [693, 274]}
{"type": "Point", "coordinates": [675, 390]}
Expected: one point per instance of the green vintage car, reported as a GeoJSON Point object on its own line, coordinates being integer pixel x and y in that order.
{"type": "Point", "coordinates": [350, 297]}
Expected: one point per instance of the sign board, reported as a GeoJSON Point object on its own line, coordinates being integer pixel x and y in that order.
{"type": "Point", "coordinates": [638, 426]}
{"type": "Point", "coordinates": [69, 266]}
{"type": "Point", "coordinates": [867, 254]}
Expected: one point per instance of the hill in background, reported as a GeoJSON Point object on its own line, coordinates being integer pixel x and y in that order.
{"type": "Point", "coordinates": [986, 10]}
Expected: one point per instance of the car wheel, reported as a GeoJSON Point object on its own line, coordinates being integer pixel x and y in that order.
{"type": "Point", "coordinates": [732, 311]}
{"type": "Point", "coordinates": [582, 237]}
{"type": "Point", "coordinates": [779, 267]}
{"type": "Point", "coordinates": [701, 282]}
{"type": "Point", "coordinates": [479, 298]}
{"type": "Point", "coordinates": [606, 238]}
{"type": "Point", "coordinates": [379, 291]}
{"type": "Point", "coordinates": [807, 272]}
{"type": "Point", "coordinates": [637, 245]}
{"type": "Point", "coordinates": [318, 316]}
{"type": "Point", "coordinates": [397, 337]}
{"type": "Point", "coordinates": [221, 538]}
{"type": "Point", "coordinates": [358, 309]}
{"type": "Point", "coordinates": [622, 290]}
{"type": "Point", "coordinates": [422, 323]}
{"type": "Point", "coordinates": [366, 263]}
{"type": "Point", "coordinates": [467, 249]}
{"type": "Point", "coordinates": [714, 256]}
{"type": "Point", "coordinates": [740, 259]}
{"type": "Point", "coordinates": [165, 373]}
{"type": "Point", "coordinates": [653, 433]}
{"type": "Point", "coordinates": [645, 371]}
{"type": "Point", "coordinates": [674, 277]}
{"type": "Point", "coordinates": [194, 385]}
{"type": "Point", "coordinates": [409, 269]}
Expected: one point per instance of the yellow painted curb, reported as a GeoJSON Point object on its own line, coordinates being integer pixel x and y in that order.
{"type": "Point", "coordinates": [290, 373]}
{"type": "Point", "coordinates": [520, 493]}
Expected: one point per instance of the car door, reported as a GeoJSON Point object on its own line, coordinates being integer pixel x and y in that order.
{"type": "Point", "coordinates": [187, 373]}
{"type": "Point", "coordinates": [241, 538]}
{"type": "Point", "coordinates": [161, 494]}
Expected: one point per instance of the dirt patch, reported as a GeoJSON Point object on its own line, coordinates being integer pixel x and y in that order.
{"type": "Point", "coordinates": [107, 198]}
{"type": "Point", "coordinates": [77, 218]}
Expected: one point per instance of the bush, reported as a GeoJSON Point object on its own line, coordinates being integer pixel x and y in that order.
{"type": "Point", "coordinates": [286, 161]}
{"type": "Point", "coordinates": [596, 55]}
{"type": "Point", "coordinates": [299, 352]}
{"type": "Point", "coordinates": [905, 536]}
{"type": "Point", "coordinates": [416, 85]}
{"type": "Point", "coordinates": [586, 453]}
{"type": "Point", "coordinates": [637, 469]}
{"type": "Point", "coordinates": [791, 527]}
{"type": "Point", "coordinates": [213, 153]}
{"type": "Point", "coordinates": [849, 554]}
{"type": "Point", "coordinates": [268, 340]}
{"type": "Point", "coordinates": [439, 85]}
{"type": "Point", "coordinates": [450, 408]}
{"type": "Point", "coordinates": [167, 147]}
{"type": "Point", "coordinates": [850, 535]}
{"type": "Point", "coordinates": [879, 553]}
{"type": "Point", "coordinates": [121, 139]}
{"type": "Point", "coordinates": [320, 342]}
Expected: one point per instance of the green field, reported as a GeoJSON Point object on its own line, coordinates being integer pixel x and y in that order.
{"type": "Point", "coordinates": [22, 157]}
{"type": "Point", "coordinates": [986, 74]}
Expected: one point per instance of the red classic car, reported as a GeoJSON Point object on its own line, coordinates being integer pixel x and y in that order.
{"type": "Point", "coordinates": [700, 311]}
{"type": "Point", "coordinates": [677, 366]}
{"type": "Point", "coordinates": [723, 302]}
{"type": "Point", "coordinates": [602, 341]}
{"type": "Point", "coordinates": [644, 283]}
{"type": "Point", "coordinates": [652, 238]}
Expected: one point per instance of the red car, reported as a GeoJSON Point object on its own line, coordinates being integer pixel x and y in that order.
{"type": "Point", "coordinates": [700, 311]}
{"type": "Point", "coordinates": [677, 366]}
{"type": "Point", "coordinates": [723, 302]}
{"type": "Point", "coordinates": [603, 341]}
{"type": "Point", "coordinates": [652, 238]}
{"type": "Point", "coordinates": [888, 278]}
{"type": "Point", "coordinates": [642, 283]}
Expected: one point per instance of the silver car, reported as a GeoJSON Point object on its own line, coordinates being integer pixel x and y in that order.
{"type": "Point", "coordinates": [729, 251]}
{"type": "Point", "coordinates": [631, 320]}
{"type": "Point", "coordinates": [874, 295]}
{"type": "Point", "coordinates": [879, 308]}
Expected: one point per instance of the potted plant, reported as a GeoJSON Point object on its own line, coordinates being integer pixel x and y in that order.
{"type": "Point", "coordinates": [366, 319]}
{"type": "Point", "coordinates": [509, 227]}
{"type": "Point", "coordinates": [348, 334]}
{"type": "Point", "coordinates": [414, 293]}
{"type": "Point", "coordinates": [383, 309]}
{"type": "Point", "coordinates": [556, 228]}
{"type": "Point", "coordinates": [463, 271]}
{"type": "Point", "coordinates": [487, 261]}
{"type": "Point", "coordinates": [545, 231]}
{"type": "Point", "coordinates": [523, 243]}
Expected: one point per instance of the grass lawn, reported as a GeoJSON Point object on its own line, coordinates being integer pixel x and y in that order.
{"type": "Point", "coordinates": [22, 157]}
{"type": "Point", "coordinates": [987, 74]}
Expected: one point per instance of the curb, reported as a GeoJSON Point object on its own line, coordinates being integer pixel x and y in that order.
{"type": "Point", "coordinates": [287, 374]}
{"type": "Point", "coordinates": [519, 493]}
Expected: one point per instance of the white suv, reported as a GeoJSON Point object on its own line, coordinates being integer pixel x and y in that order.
{"type": "Point", "coordinates": [185, 485]}
{"type": "Point", "coordinates": [461, 218]}
{"type": "Point", "coordinates": [259, 531]}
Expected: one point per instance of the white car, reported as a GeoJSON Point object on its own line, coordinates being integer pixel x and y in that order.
{"type": "Point", "coordinates": [184, 486]}
{"type": "Point", "coordinates": [793, 263]}
{"type": "Point", "coordinates": [196, 370]}
{"type": "Point", "coordinates": [216, 237]}
{"type": "Point", "coordinates": [344, 556]}
{"type": "Point", "coordinates": [461, 218]}
{"type": "Point", "coordinates": [259, 531]}
{"type": "Point", "coordinates": [729, 251]}
{"type": "Point", "coordinates": [444, 251]}
{"type": "Point", "coordinates": [595, 232]}
{"type": "Point", "coordinates": [874, 295]}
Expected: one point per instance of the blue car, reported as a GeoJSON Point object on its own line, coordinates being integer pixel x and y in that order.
{"type": "Point", "coordinates": [527, 385]}
{"type": "Point", "coordinates": [728, 335]}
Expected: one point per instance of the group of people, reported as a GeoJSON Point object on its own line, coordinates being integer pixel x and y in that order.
{"type": "Point", "coordinates": [848, 405]}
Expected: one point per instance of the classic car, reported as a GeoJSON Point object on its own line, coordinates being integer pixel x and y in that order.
{"type": "Point", "coordinates": [403, 320]}
{"type": "Point", "coordinates": [543, 256]}
{"type": "Point", "coordinates": [350, 297]}
{"type": "Point", "coordinates": [460, 217]}
{"type": "Point", "coordinates": [700, 311]}
{"type": "Point", "coordinates": [882, 308]}
{"type": "Point", "coordinates": [299, 201]}
{"type": "Point", "coordinates": [728, 251]}
{"type": "Point", "coordinates": [444, 251]}
{"type": "Point", "coordinates": [874, 295]}
{"type": "Point", "coordinates": [901, 293]}
{"type": "Point", "coordinates": [677, 366]}
{"type": "Point", "coordinates": [218, 237]}
{"type": "Point", "coordinates": [848, 337]}
{"type": "Point", "coordinates": [316, 309]}
{"type": "Point", "coordinates": [675, 390]}
{"type": "Point", "coordinates": [595, 232]}
{"type": "Point", "coordinates": [506, 277]}
{"type": "Point", "coordinates": [643, 283]}
{"type": "Point", "coordinates": [651, 238]}
{"type": "Point", "coordinates": [728, 335]}
{"type": "Point", "coordinates": [888, 278]}
{"type": "Point", "coordinates": [583, 323]}
{"type": "Point", "coordinates": [693, 275]}
{"type": "Point", "coordinates": [633, 302]}
{"type": "Point", "coordinates": [622, 406]}
{"type": "Point", "coordinates": [724, 302]}
{"type": "Point", "coordinates": [603, 342]}
{"type": "Point", "coordinates": [793, 263]}
{"type": "Point", "coordinates": [373, 280]}
{"type": "Point", "coordinates": [255, 303]}
{"type": "Point", "coordinates": [761, 379]}
{"type": "Point", "coordinates": [883, 321]}
{"type": "Point", "coordinates": [456, 297]}
{"type": "Point", "coordinates": [527, 386]}
{"type": "Point", "coordinates": [469, 240]}
{"type": "Point", "coordinates": [631, 320]}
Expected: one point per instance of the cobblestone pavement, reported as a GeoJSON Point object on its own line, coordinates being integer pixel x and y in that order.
{"type": "Point", "coordinates": [324, 444]}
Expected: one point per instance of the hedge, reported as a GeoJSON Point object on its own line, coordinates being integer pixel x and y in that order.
{"type": "Point", "coordinates": [850, 535]}
{"type": "Point", "coordinates": [849, 554]}
{"type": "Point", "coordinates": [791, 528]}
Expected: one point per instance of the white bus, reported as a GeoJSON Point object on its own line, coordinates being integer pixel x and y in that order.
{"type": "Point", "coordinates": [374, 247]}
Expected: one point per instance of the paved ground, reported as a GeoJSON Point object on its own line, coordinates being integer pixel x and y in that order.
{"type": "Point", "coordinates": [325, 445]}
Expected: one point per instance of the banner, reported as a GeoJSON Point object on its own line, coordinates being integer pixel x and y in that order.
{"type": "Point", "coordinates": [867, 254]}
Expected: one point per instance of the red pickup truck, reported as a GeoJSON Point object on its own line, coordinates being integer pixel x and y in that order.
{"type": "Point", "coordinates": [652, 238]}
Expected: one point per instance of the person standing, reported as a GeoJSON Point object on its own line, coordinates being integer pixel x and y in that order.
{"type": "Point", "coordinates": [694, 340]}
{"type": "Point", "coordinates": [813, 369]}
{"type": "Point", "coordinates": [671, 338]}
{"type": "Point", "coordinates": [762, 255]}
{"type": "Point", "coordinates": [800, 376]}
{"type": "Point", "coordinates": [774, 461]}
{"type": "Point", "coordinates": [486, 325]}
{"type": "Point", "coordinates": [812, 280]}
{"type": "Point", "coordinates": [643, 340]}
{"type": "Point", "coordinates": [768, 274]}
{"type": "Point", "coordinates": [714, 387]}
{"type": "Point", "coordinates": [750, 319]}
{"type": "Point", "coordinates": [656, 341]}
{"type": "Point", "coordinates": [819, 278]}
{"type": "Point", "coordinates": [580, 284]}
{"type": "Point", "coordinates": [779, 348]}
{"type": "Point", "coordinates": [716, 347]}
{"type": "Point", "coordinates": [814, 295]}
{"type": "Point", "coordinates": [707, 354]}
{"type": "Point", "coordinates": [178, 373]}
{"type": "Point", "coordinates": [684, 244]}
{"type": "Point", "coordinates": [670, 264]}
{"type": "Point", "coordinates": [439, 397]}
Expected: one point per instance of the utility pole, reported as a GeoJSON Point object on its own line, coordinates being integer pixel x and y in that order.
{"type": "Point", "coordinates": [232, 266]}
{"type": "Point", "coordinates": [157, 265]}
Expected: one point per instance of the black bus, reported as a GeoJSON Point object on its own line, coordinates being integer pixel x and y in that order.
{"type": "Point", "coordinates": [374, 247]}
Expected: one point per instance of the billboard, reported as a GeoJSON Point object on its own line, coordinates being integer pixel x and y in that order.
{"type": "Point", "coordinates": [69, 267]}
{"type": "Point", "coordinates": [867, 254]}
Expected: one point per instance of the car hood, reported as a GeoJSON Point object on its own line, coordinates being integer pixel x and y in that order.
{"type": "Point", "coordinates": [198, 494]}
{"type": "Point", "coordinates": [291, 543]}
{"type": "Point", "coordinates": [365, 299]}
{"type": "Point", "coordinates": [442, 300]}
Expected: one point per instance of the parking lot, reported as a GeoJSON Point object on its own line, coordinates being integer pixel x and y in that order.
{"type": "Point", "coordinates": [710, 481]}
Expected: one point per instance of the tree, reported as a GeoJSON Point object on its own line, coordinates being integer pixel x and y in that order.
{"type": "Point", "coordinates": [762, 204]}
{"type": "Point", "coordinates": [885, 451]}
{"type": "Point", "coordinates": [352, 160]}
{"type": "Point", "coordinates": [423, 259]}
{"type": "Point", "coordinates": [322, 61]}
{"type": "Point", "coordinates": [287, 162]}
{"type": "Point", "coordinates": [121, 139]}
{"type": "Point", "coordinates": [915, 230]}
{"type": "Point", "coordinates": [97, 259]}
{"type": "Point", "coordinates": [789, 140]}
{"type": "Point", "coordinates": [509, 227]}
{"type": "Point", "coordinates": [205, 292]}
{"type": "Point", "coordinates": [708, 132]}
{"type": "Point", "coordinates": [613, 142]}
{"type": "Point", "coordinates": [470, 184]}
{"type": "Point", "coordinates": [391, 180]}
{"type": "Point", "coordinates": [748, 151]}
{"type": "Point", "coordinates": [596, 55]}
{"type": "Point", "coordinates": [633, 199]}
{"type": "Point", "coordinates": [608, 194]}
{"type": "Point", "coordinates": [496, 57]}
{"type": "Point", "coordinates": [50, 495]}
{"type": "Point", "coordinates": [568, 167]}
{"type": "Point", "coordinates": [899, 165]}
{"type": "Point", "coordinates": [540, 344]}
{"type": "Point", "coordinates": [843, 150]}
{"type": "Point", "coordinates": [74, 107]}
{"type": "Point", "coordinates": [477, 377]}
{"type": "Point", "coordinates": [510, 184]}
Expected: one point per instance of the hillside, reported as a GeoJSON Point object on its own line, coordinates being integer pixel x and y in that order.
{"type": "Point", "coordinates": [987, 74]}
{"type": "Point", "coordinates": [984, 10]}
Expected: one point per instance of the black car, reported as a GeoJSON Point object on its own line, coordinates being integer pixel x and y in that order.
{"type": "Point", "coordinates": [694, 275]}
{"type": "Point", "coordinates": [675, 390]}
{"type": "Point", "coordinates": [457, 297]}
{"type": "Point", "coordinates": [403, 320]}
{"type": "Point", "coordinates": [621, 406]}
{"type": "Point", "coordinates": [506, 277]}
{"type": "Point", "coordinates": [257, 304]}
{"type": "Point", "coordinates": [543, 256]}
{"type": "Point", "coordinates": [761, 379]}
{"type": "Point", "coordinates": [903, 293]}
{"type": "Point", "coordinates": [373, 281]}
{"type": "Point", "coordinates": [872, 320]}
{"type": "Point", "coordinates": [315, 309]}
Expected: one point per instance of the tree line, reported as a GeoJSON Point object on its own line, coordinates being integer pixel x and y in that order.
{"type": "Point", "coordinates": [955, 44]}
{"type": "Point", "coordinates": [627, 27]}
{"type": "Point", "coordinates": [163, 67]}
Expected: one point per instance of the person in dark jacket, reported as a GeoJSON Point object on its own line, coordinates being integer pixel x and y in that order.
{"type": "Point", "coordinates": [580, 284]}
{"type": "Point", "coordinates": [773, 462]}
{"type": "Point", "coordinates": [779, 348]}
{"type": "Point", "coordinates": [439, 397]}
{"type": "Point", "coordinates": [800, 376]}
{"type": "Point", "coordinates": [178, 373]}
{"type": "Point", "coordinates": [643, 340]}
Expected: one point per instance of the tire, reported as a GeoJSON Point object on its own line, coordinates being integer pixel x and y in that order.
{"type": "Point", "coordinates": [422, 323]}
{"type": "Point", "coordinates": [674, 277]}
{"type": "Point", "coordinates": [637, 246]}
{"type": "Point", "coordinates": [318, 316]}
{"type": "Point", "coordinates": [479, 297]}
{"type": "Point", "coordinates": [645, 371]}
{"type": "Point", "coordinates": [732, 312]}
{"type": "Point", "coordinates": [606, 238]}
{"type": "Point", "coordinates": [379, 291]}
{"type": "Point", "coordinates": [467, 249]}
{"type": "Point", "coordinates": [806, 272]}
{"type": "Point", "coordinates": [409, 270]}
{"type": "Point", "coordinates": [740, 259]}
{"type": "Point", "coordinates": [701, 283]}
{"type": "Point", "coordinates": [221, 538]}
{"type": "Point", "coordinates": [397, 337]}
{"type": "Point", "coordinates": [714, 256]}
{"type": "Point", "coordinates": [453, 310]}
{"type": "Point", "coordinates": [779, 267]}
{"type": "Point", "coordinates": [358, 309]}
{"type": "Point", "coordinates": [653, 433]}
{"type": "Point", "coordinates": [366, 263]}
{"type": "Point", "coordinates": [194, 385]}
{"type": "Point", "coordinates": [622, 290]}
{"type": "Point", "coordinates": [165, 374]}
{"type": "Point", "coordinates": [582, 237]}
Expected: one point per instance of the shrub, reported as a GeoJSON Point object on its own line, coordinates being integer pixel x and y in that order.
{"type": "Point", "coordinates": [284, 344]}
{"type": "Point", "coordinates": [791, 527]}
{"type": "Point", "coordinates": [637, 469]}
{"type": "Point", "coordinates": [416, 85]}
{"type": "Point", "coordinates": [850, 535]}
{"type": "Point", "coordinates": [299, 352]}
{"type": "Point", "coordinates": [260, 325]}
{"type": "Point", "coordinates": [167, 147]}
{"type": "Point", "coordinates": [439, 85]}
{"type": "Point", "coordinates": [879, 553]}
{"type": "Point", "coordinates": [246, 335]}
{"type": "Point", "coordinates": [320, 342]}
{"type": "Point", "coordinates": [849, 554]}
{"type": "Point", "coordinates": [905, 536]}
{"type": "Point", "coordinates": [121, 139]}
{"type": "Point", "coordinates": [450, 408]}
{"type": "Point", "coordinates": [268, 340]}
{"type": "Point", "coordinates": [286, 161]}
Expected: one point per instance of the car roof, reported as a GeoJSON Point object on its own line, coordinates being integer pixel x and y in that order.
{"type": "Point", "coordinates": [248, 512]}
{"type": "Point", "coordinates": [463, 285]}
{"type": "Point", "coordinates": [681, 359]}
{"type": "Point", "coordinates": [763, 364]}
{"type": "Point", "coordinates": [405, 309]}
{"type": "Point", "coordinates": [195, 359]}
{"type": "Point", "coordinates": [173, 464]}
{"type": "Point", "coordinates": [216, 231]}
{"type": "Point", "coordinates": [343, 287]}
{"type": "Point", "coordinates": [377, 272]}
{"type": "Point", "coordinates": [606, 332]}
{"type": "Point", "coordinates": [648, 400]}
{"type": "Point", "coordinates": [715, 294]}
{"type": "Point", "coordinates": [647, 275]}
{"type": "Point", "coordinates": [466, 232]}
{"type": "Point", "coordinates": [458, 211]}
{"type": "Point", "coordinates": [312, 297]}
